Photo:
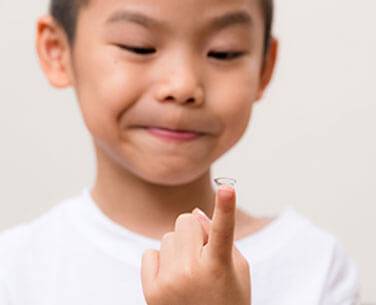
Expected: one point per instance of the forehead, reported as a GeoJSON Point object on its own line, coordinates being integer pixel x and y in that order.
{"type": "Point", "coordinates": [177, 13]}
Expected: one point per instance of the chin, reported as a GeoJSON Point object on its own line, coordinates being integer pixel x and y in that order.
{"type": "Point", "coordinates": [172, 176]}
{"type": "Point", "coordinates": [166, 170]}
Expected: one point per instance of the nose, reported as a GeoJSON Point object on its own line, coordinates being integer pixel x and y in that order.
{"type": "Point", "coordinates": [181, 82]}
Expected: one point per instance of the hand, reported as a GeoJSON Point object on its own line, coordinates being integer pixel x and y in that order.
{"type": "Point", "coordinates": [198, 263]}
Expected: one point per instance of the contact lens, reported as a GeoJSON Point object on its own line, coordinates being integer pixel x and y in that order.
{"type": "Point", "coordinates": [225, 181]}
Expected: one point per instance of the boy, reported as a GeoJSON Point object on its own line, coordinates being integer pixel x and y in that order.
{"type": "Point", "coordinates": [165, 88]}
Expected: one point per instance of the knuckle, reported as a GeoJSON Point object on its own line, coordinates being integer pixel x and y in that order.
{"type": "Point", "coordinates": [167, 236]}
{"type": "Point", "coordinates": [184, 281]}
{"type": "Point", "coordinates": [149, 253]}
{"type": "Point", "coordinates": [179, 280]}
{"type": "Point", "coordinates": [185, 218]}
{"type": "Point", "coordinates": [188, 273]}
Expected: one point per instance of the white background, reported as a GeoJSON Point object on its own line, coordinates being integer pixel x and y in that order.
{"type": "Point", "coordinates": [311, 142]}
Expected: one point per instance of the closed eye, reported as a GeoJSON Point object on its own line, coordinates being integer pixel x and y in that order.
{"type": "Point", "coordinates": [217, 55]}
{"type": "Point", "coordinates": [226, 55]}
{"type": "Point", "coordinates": [137, 50]}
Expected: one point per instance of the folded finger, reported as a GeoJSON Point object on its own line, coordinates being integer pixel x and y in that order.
{"type": "Point", "coordinates": [166, 253]}
{"type": "Point", "coordinates": [189, 237]}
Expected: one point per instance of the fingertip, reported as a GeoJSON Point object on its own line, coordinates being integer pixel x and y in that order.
{"type": "Point", "coordinates": [205, 223]}
{"type": "Point", "coordinates": [202, 215]}
{"type": "Point", "coordinates": [226, 192]}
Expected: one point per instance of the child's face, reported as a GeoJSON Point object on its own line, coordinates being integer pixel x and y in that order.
{"type": "Point", "coordinates": [180, 81]}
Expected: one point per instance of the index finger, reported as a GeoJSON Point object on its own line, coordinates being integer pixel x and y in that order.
{"type": "Point", "coordinates": [221, 236]}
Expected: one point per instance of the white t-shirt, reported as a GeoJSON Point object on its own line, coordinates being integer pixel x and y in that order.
{"type": "Point", "coordinates": [74, 254]}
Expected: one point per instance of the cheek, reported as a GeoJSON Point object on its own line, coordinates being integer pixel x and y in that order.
{"type": "Point", "coordinates": [235, 98]}
{"type": "Point", "coordinates": [106, 88]}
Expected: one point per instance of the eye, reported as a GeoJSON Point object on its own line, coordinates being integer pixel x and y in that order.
{"type": "Point", "coordinates": [147, 51]}
{"type": "Point", "coordinates": [226, 55]}
{"type": "Point", "coordinates": [137, 50]}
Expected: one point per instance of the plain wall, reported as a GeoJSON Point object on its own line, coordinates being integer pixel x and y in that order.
{"type": "Point", "coordinates": [310, 144]}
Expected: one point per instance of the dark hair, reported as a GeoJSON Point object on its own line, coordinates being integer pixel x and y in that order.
{"type": "Point", "coordinates": [66, 13]}
{"type": "Point", "coordinates": [268, 11]}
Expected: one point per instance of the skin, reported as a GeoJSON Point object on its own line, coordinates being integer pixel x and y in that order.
{"type": "Point", "coordinates": [196, 266]}
{"type": "Point", "coordinates": [142, 182]}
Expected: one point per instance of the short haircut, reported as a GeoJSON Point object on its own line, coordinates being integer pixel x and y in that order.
{"type": "Point", "coordinates": [66, 13]}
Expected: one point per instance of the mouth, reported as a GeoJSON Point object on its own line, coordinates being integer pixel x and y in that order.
{"type": "Point", "coordinates": [173, 134]}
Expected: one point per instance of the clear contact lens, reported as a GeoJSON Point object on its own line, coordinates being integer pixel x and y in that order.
{"type": "Point", "coordinates": [225, 181]}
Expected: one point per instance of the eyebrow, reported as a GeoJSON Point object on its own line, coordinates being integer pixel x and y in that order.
{"type": "Point", "coordinates": [216, 23]}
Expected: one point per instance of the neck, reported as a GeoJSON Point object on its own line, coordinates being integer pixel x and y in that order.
{"type": "Point", "coordinates": [143, 207]}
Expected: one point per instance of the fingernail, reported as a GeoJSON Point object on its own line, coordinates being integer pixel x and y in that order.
{"type": "Point", "coordinates": [199, 212]}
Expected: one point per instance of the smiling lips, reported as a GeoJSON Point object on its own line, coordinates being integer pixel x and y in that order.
{"type": "Point", "coordinates": [169, 134]}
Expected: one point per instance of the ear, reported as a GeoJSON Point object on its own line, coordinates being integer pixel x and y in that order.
{"type": "Point", "coordinates": [268, 67]}
{"type": "Point", "coordinates": [54, 52]}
